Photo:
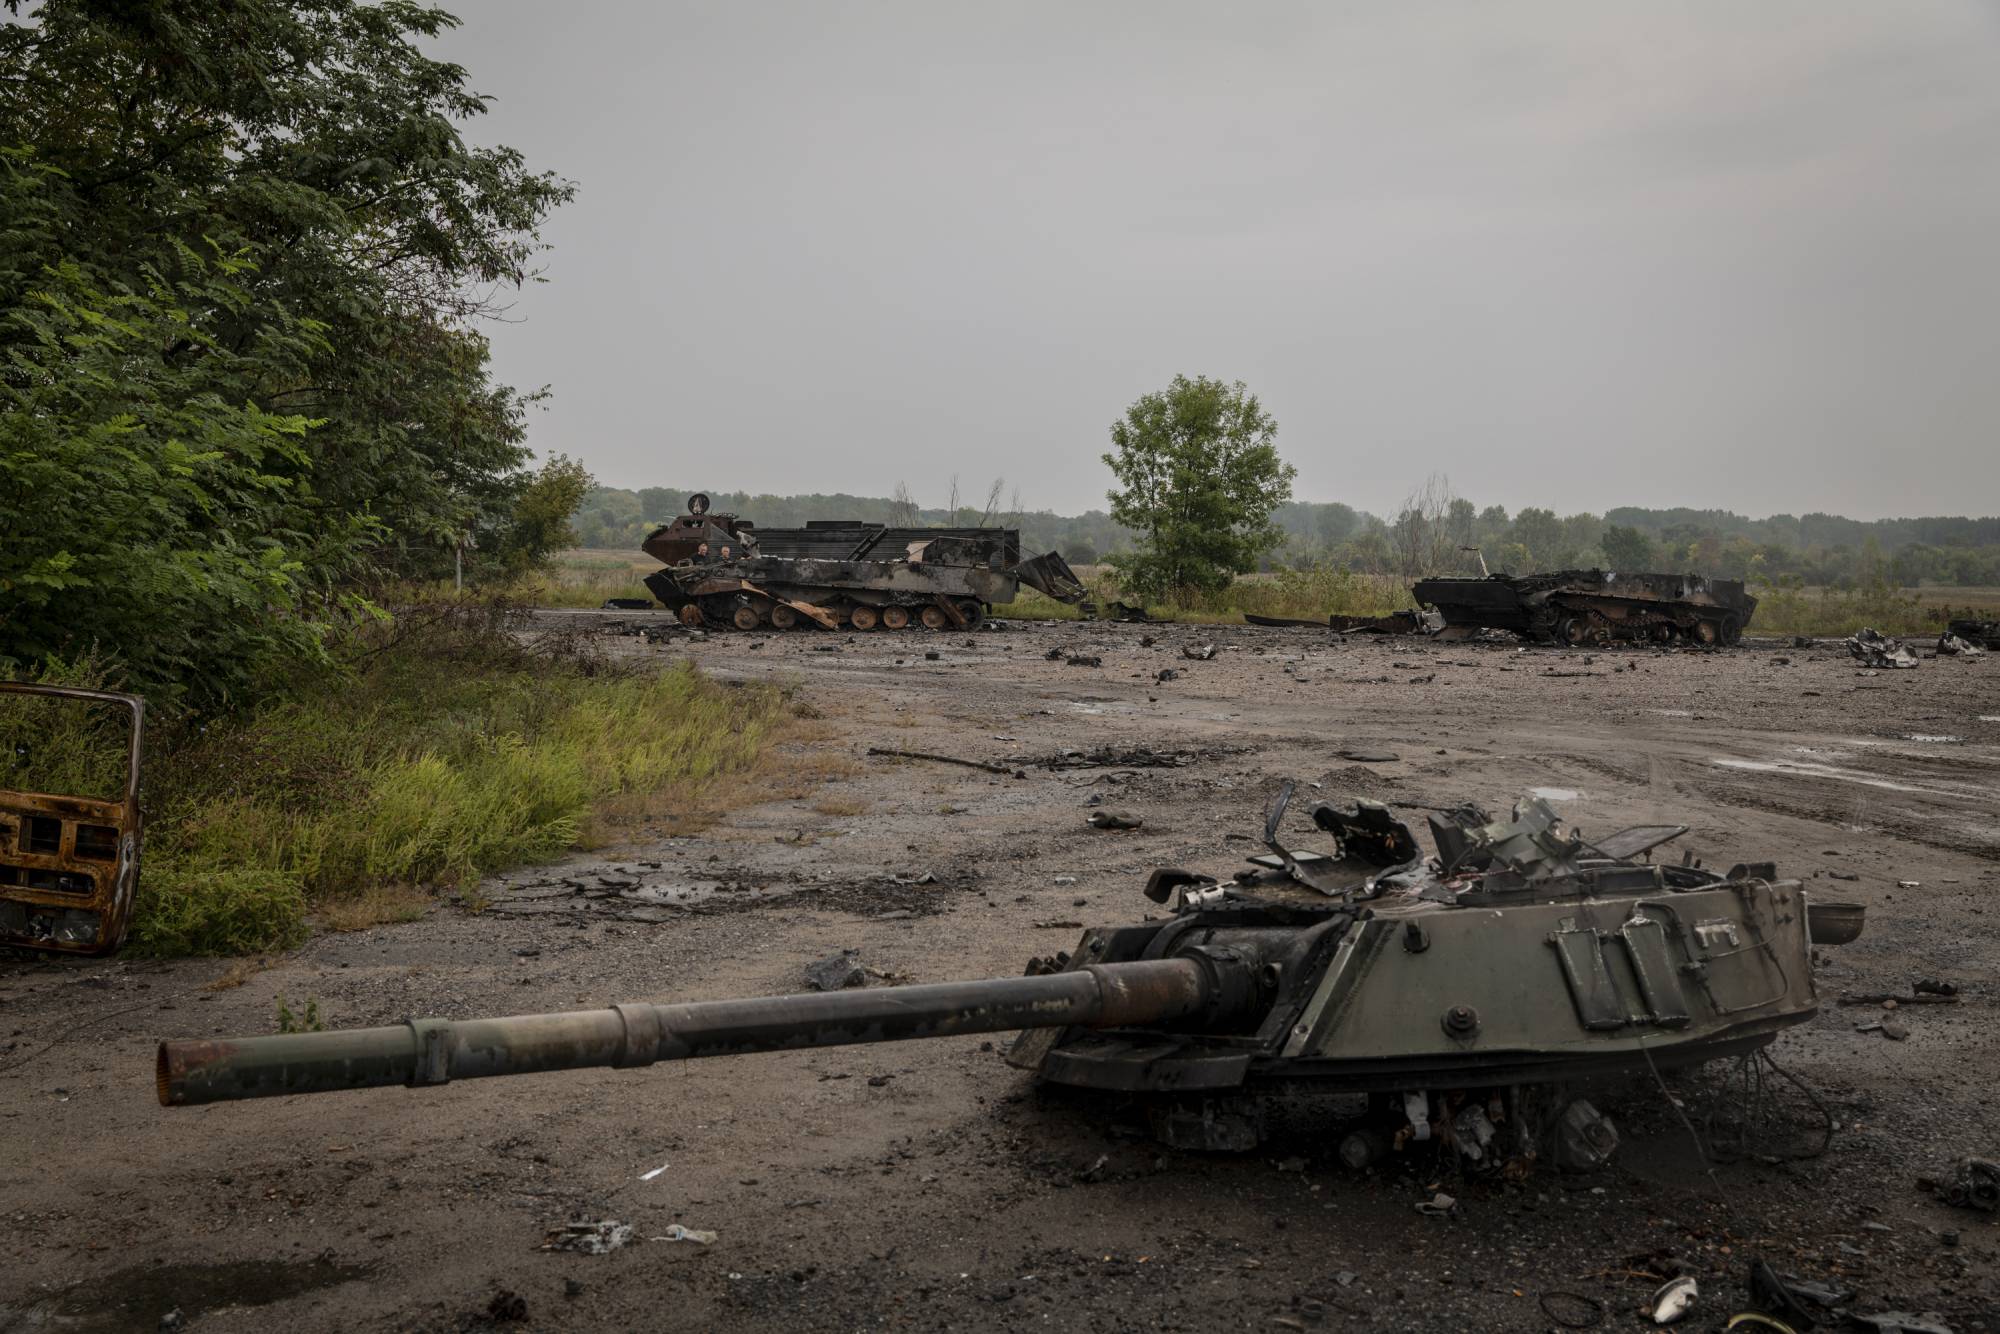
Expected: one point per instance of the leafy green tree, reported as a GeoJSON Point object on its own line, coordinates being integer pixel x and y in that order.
{"type": "Point", "coordinates": [1627, 549]}
{"type": "Point", "coordinates": [539, 525]}
{"type": "Point", "coordinates": [244, 252]}
{"type": "Point", "coordinates": [1540, 533]}
{"type": "Point", "coordinates": [1199, 479]}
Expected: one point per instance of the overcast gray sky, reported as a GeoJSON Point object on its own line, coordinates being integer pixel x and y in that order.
{"type": "Point", "coordinates": [1581, 254]}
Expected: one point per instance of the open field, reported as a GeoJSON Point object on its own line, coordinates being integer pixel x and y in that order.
{"type": "Point", "coordinates": [587, 578]}
{"type": "Point", "coordinates": [929, 1186]}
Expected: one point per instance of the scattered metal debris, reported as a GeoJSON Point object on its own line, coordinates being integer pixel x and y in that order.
{"type": "Point", "coordinates": [589, 1238]}
{"type": "Point", "coordinates": [986, 765]}
{"type": "Point", "coordinates": [1984, 634]}
{"type": "Point", "coordinates": [1974, 1184]}
{"type": "Point", "coordinates": [1104, 819]}
{"type": "Point", "coordinates": [1417, 622]}
{"type": "Point", "coordinates": [1950, 645]}
{"type": "Point", "coordinates": [1128, 757]}
{"type": "Point", "coordinates": [1874, 649]}
{"type": "Point", "coordinates": [1197, 652]}
{"type": "Point", "coordinates": [1586, 1138]}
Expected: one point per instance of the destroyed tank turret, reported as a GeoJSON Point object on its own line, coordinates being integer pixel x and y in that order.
{"type": "Point", "coordinates": [1520, 956]}
{"type": "Point", "coordinates": [838, 573]}
{"type": "Point", "coordinates": [1593, 606]}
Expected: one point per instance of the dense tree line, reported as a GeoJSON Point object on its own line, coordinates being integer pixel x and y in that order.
{"type": "Point", "coordinates": [1816, 549]}
{"type": "Point", "coordinates": [244, 251]}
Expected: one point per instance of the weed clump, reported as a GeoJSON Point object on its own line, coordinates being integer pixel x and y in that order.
{"type": "Point", "coordinates": [449, 750]}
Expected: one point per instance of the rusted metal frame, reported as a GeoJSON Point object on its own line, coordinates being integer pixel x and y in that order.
{"type": "Point", "coordinates": [818, 614]}
{"type": "Point", "coordinates": [114, 879]}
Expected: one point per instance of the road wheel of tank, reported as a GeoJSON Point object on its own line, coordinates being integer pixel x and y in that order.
{"type": "Point", "coordinates": [783, 617]}
{"type": "Point", "coordinates": [974, 614]}
{"type": "Point", "coordinates": [691, 616]}
{"type": "Point", "coordinates": [895, 618]}
{"type": "Point", "coordinates": [862, 617]}
{"type": "Point", "coordinates": [1663, 632]}
{"type": "Point", "coordinates": [746, 618]}
{"type": "Point", "coordinates": [1573, 630]}
{"type": "Point", "coordinates": [1732, 630]}
{"type": "Point", "coordinates": [1706, 632]}
{"type": "Point", "coordinates": [934, 617]}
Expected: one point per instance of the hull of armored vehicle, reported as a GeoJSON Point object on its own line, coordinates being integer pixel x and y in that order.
{"type": "Point", "coordinates": [722, 570]}
{"type": "Point", "coordinates": [1593, 606]}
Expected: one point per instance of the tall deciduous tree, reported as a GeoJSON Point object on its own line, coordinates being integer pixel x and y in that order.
{"type": "Point", "coordinates": [244, 250]}
{"type": "Point", "coordinates": [1199, 477]}
{"type": "Point", "coordinates": [1626, 548]}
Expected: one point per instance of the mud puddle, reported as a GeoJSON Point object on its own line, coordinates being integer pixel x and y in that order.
{"type": "Point", "coordinates": [137, 1298]}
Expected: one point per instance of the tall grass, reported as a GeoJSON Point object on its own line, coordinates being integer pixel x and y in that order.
{"type": "Point", "coordinates": [447, 753]}
{"type": "Point", "coordinates": [1786, 607]}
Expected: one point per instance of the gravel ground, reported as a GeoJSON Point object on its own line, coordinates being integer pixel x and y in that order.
{"type": "Point", "coordinates": [930, 1186]}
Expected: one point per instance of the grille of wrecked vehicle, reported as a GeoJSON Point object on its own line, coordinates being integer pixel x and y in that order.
{"type": "Point", "coordinates": [69, 816]}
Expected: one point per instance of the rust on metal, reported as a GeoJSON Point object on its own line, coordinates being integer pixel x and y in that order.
{"type": "Point", "coordinates": [69, 863]}
{"type": "Point", "coordinates": [723, 570]}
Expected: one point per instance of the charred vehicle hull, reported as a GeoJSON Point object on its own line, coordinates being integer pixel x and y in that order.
{"type": "Point", "coordinates": [722, 570]}
{"type": "Point", "coordinates": [1593, 606]}
{"type": "Point", "coordinates": [69, 860]}
{"type": "Point", "coordinates": [1520, 954]}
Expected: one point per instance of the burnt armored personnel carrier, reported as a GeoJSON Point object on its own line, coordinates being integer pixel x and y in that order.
{"type": "Point", "coordinates": [1593, 606]}
{"type": "Point", "coordinates": [723, 570]}
{"type": "Point", "coordinates": [1519, 956]}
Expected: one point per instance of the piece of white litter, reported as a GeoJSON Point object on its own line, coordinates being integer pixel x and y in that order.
{"type": "Point", "coordinates": [1673, 1300]}
{"type": "Point", "coordinates": [648, 1176]}
{"type": "Point", "coordinates": [675, 1232]}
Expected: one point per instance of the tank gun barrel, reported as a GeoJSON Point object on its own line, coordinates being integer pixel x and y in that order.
{"type": "Point", "coordinates": [437, 1051]}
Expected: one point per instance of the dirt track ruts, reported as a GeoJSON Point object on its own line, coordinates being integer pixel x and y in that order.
{"type": "Point", "coordinates": [952, 1194]}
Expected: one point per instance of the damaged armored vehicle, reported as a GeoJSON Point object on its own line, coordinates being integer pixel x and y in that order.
{"type": "Point", "coordinates": [1592, 606]}
{"type": "Point", "coordinates": [724, 570]}
{"type": "Point", "coordinates": [1516, 957]}
{"type": "Point", "coordinates": [69, 816]}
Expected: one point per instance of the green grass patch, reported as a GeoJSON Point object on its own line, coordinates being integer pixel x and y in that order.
{"type": "Point", "coordinates": [447, 752]}
{"type": "Point", "coordinates": [1788, 607]}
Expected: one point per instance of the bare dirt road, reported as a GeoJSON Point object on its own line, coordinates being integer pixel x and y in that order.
{"type": "Point", "coordinates": [930, 1186]}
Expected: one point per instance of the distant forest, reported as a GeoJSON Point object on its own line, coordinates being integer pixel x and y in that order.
{"type": "Point", "coordinates": [1428, 536]}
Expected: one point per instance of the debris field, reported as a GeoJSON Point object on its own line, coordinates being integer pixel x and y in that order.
{"type": "Point", "coordinates": [996, 789]}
